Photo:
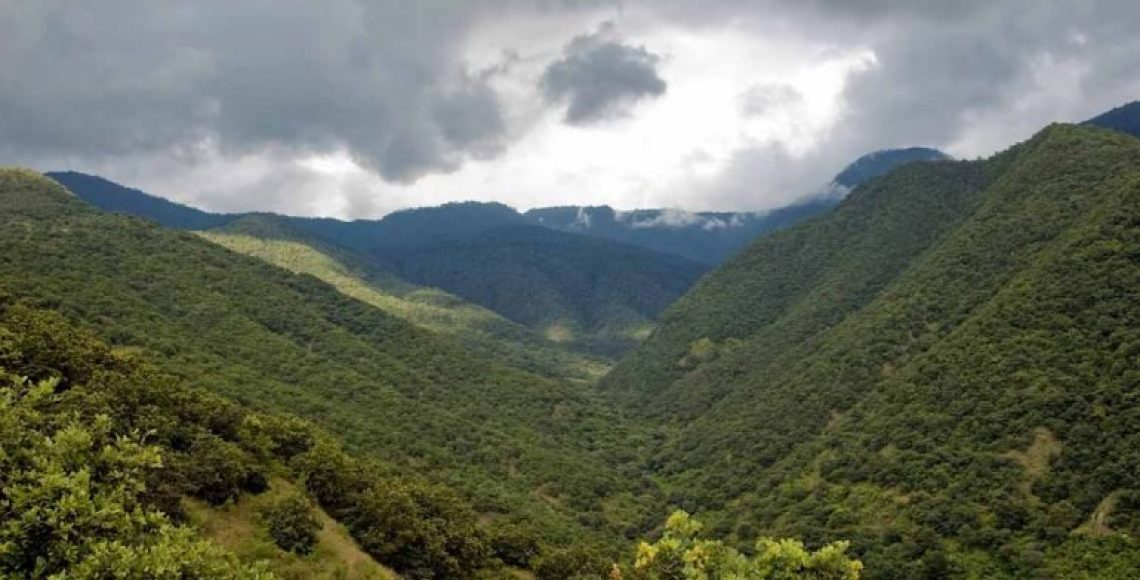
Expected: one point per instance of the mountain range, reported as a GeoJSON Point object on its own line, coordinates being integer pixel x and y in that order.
{"type": "Point", "coordinates": [592, 285]}
{"type": "Point", "coordinates": [935, 374]}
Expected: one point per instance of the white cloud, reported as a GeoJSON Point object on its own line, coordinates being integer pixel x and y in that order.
{"type": "Point", "coordinates": [765, 100]}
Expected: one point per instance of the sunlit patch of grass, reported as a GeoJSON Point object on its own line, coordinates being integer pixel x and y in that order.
{"type": "Point", "coordinates": [238, 527]}
{"type": "Point", "coordinates": [478, 328]}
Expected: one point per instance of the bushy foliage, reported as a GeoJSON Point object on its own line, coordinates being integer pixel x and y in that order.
{"type": "Point", "coordinates": [478, 329]}
{"type": "Point", "coordinates": [942, 370]}
{"type": "Point", "coordinates": [98, 447]}
{"type": "Point", "coordinates": [218, 471]}
{"type": "Point", "coordinates": [291, 523]}
{"type": "Point", "coordinates": [573, 563]}
{"type": "Point", "coordinates": [287, 343]}
{"type": "Point", "coordinates": [73, 492]}
{"type": "Point", "coordinates": [680, 554]}
{"type": "Point", "coordinates": [424, 531]}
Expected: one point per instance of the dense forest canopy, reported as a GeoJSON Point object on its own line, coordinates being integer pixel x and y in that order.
{"type": "Point", "coordinates": [943, 370]}
{"type": "Point", "coordinates": [936, 378]}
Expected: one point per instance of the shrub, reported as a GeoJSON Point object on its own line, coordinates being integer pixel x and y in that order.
{"type": "Point", "coordinates": [292, 525]}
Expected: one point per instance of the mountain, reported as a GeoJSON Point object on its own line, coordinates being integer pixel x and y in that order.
{"type": "Point", "coordinates": [592, 295]}
{"type": "Point", "coordinates": [881, 162]}
{"type": "Point", "coordinates": [713, 237]}
{"type": "Point", "coordinates": [596, 297]}
{"type": "Point", "coordinates": [706, 237]}
{"type": "Point", "coordinates": [479, 330]}
{"type": "Point", "coordinates": [520, 447]}
{"type": "Point", "coordinates": [112, 197]}
{"type": "Point", "coordinates": [942, 370]}
{"type": "Point", "coordinates": [1125, 118]}
{"type": "Point", "coordinates": [279, 240]}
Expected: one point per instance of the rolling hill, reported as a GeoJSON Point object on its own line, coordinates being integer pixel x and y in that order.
{"type": "Point", "coordinates": [942, 370]}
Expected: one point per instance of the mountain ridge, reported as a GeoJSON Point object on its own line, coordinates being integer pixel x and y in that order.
{"type": "Point", "coordinates": [905, 403]}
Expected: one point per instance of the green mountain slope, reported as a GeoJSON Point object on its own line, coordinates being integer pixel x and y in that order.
{"type": "Point", "coordinates": [592, 295]}
{"type": "Point", "coordinates": [479, 330]}
{"type": "Point", "coordinates": [522, 447]}
{"type": "Point", "coordinates": [112, 469]}
{"type": "Point", "coordinates": [944, 370]}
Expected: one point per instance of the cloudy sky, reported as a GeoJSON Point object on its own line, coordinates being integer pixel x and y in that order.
{"type": "Point", "coordinates": [357, 108]}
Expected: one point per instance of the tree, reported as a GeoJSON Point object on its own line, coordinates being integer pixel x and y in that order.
{"type": "Point", "coordinates": [681, 555]}
{"type": "Point", "coordinates": [291, 523]}
{"type": "Point", "coordinates": [71, 495]}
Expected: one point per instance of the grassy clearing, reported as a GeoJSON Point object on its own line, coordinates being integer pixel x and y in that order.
{"type": "Point", "coordinates": [238, 528]}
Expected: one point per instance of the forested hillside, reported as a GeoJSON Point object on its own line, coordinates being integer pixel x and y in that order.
{"type": "Point", "coordinates": [713, 237]}
{"type": "Point", "coordinates": [943, 370]}
{"type": "Point", "coordinates": [583, 294]}
{"type": "Point", "coordinates": [116, 468]}
{"type": "Point", "coordinates": [525, 449]}
{"type": "Point", "coordinates": [479, 330]}
{"type": "Point", "coordinates": [598, 295]}
{"type": "Point", "coordinates": [112, 469]}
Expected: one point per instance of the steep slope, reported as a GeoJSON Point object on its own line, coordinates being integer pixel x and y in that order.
{"type": "Point", "coordinates": [477, 329]}
{"type": "Point", "coordinates": [595, 296]}
{"type": "Point", "coordinates": [1125, 118]}
{"type": "Point", "coordinates": [115, 198]}
{"type": "Point", "coordinates": [520, 446]}
{"type": "Point", "coordinates": [112, 469]}
{"type": "Point", "coordinates": [713, 237]}
{"type": "Point", "coordinates": [942, 370]}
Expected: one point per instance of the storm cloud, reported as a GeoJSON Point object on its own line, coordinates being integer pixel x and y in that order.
{"type": "Point", "coordinates": [382, 80]}
{"type": "Point", "coordinates": [599, 78]}
{"type": "Point", "coordinates": [356, 108]}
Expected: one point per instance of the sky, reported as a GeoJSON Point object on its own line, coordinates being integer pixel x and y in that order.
{"type": "Point", "coordinates": [355, 109]}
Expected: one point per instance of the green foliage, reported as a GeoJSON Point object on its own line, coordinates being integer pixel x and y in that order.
{"type": "Point", "coordinates": [218, 471]}
{"type": "Point", "coordinates": [479, 330]}
{"type": "Point", "coordinates": [95, 450]}
{"type": "Point", "coordinates": [424, 531]}
{"type": "Point", "coordinates": [283, 342]}
{"type": "Point", "coordinates": [943, 370]}
{"type": "Point", "coordinates": [574, 563]}
{"type": "Point", "coordinates": [73, 490]}
{"type": "Point", "coordinates": [514, 546]}
{"type": "Point", "coordinates": [291, 523]}
{"type": "Point", "coordinates": [681, 555]}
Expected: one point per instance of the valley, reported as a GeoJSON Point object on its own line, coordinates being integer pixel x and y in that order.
{"type": "Point", "coordinates": [569, 290]}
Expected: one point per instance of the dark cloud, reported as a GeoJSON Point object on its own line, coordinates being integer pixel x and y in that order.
{"type": "Point", "coordinates": [384, 80]}
{"type": "Point", "coordinates": [226, 100]}
{"type": "Point", "coordinates": [599, 78]}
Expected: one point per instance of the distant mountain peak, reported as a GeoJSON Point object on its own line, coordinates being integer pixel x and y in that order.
{"type": "Point", "coordinates": [880, 162]}
{"type": "Point", "coordinates": [1125, 119]}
